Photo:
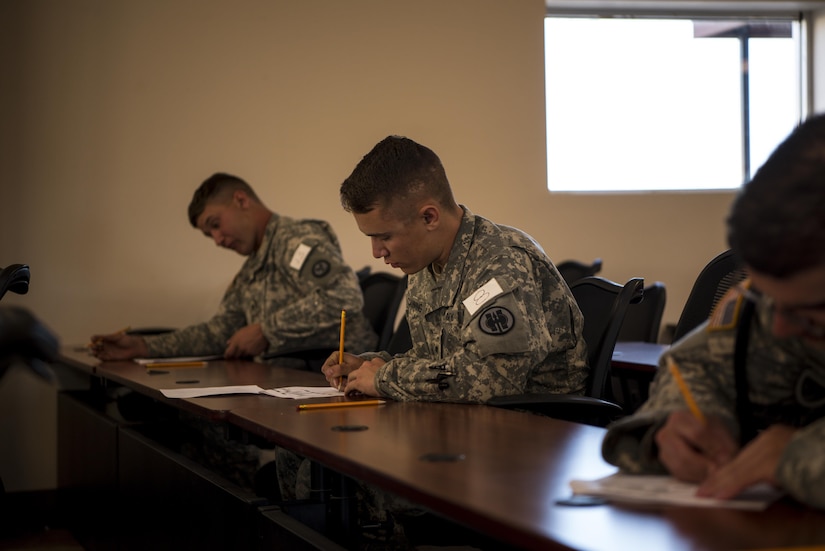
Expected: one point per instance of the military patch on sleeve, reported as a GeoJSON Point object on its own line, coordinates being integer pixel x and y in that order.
{"type": "Point", "coordinates": [725, 315]}
{"type": "Point", "coordinates": [499, 327]}
{"type": "Point", "coordinates": [496, 320]}
{"type": "Point", "coordinates": [320, 268]}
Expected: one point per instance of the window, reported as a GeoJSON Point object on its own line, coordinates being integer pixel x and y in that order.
{"type": "Point", "coordinates": [637, 104]}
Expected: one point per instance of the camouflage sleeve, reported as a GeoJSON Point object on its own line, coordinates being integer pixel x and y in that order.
{"type": "Point", "coordinates": [629, 443]}
{"type": "Point", "coordinates": [473, 355]}
{"type": "Point", "coordinates": [204, 339]}
{"type": "Point", "coordinates": [706, 367]}
{"type": "Point", "coordinates": [323, 286]}
{"type": "Point", "coordinates": [801, 470]}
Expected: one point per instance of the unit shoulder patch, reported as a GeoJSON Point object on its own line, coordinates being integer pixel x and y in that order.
{"type": "Point", "coordinates": [725, 315]}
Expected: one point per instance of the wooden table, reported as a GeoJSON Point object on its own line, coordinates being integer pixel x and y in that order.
{"type": "Point", "coordinates": [149, 382]}
{"type": "Point", "coordinates": [500, 472]}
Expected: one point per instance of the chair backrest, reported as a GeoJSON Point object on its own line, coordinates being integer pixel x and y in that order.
{"type": "Point", "coordinates": [603, 304]}
{"type": "Point", "coordinates": [643, 320]}
{"type": "Point", "coordinates": [573, 270]}
{"type": "Point", "coordinates": [14, 278]}
{"type": "Point", "coordinates": [720, 274]}
{"type": "Point", "coordinates": [383, 293]}
{"type": "Point", "coordinates": [401, 340]}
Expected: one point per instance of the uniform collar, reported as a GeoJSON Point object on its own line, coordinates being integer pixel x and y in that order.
{"type": "Point", "coordinates": [257, 259]}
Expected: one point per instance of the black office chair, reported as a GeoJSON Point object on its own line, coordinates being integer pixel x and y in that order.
{"type": "Point", "coordinates": [641, 324]}
{"type": "Point", "coordinates": [401, 339]}
{"type": "Point", "coordinates": [23, 338]}
{"type": "Point", "coordinates": [643, 320]}
{"type": "Point", "coordinates": [14, 278]}
{"type": "Point", "coordinates": [720, 274]}
{"type": "Point", "coordinates": [383, 293]}
{"type": "Point", "coordinates": [603, 304]}
{"type": "Point", "coordinates": [573, 270]}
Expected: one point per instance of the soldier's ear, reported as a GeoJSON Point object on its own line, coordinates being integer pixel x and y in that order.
{"type": "Point", "coordinates": [430, 215]}
{"type": "Point", "coordinates": [240, 198]}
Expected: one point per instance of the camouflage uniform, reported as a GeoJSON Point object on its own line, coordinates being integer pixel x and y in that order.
{"type": "Point", "coordinates": [499, 320]}
{"type": "Point", "coordinates": [295, 285]}
{"type": "Point", "coordinates": [786, 384]}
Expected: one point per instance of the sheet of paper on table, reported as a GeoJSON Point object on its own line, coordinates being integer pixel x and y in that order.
{"type": "Point", "coordinates": [666, 490]}
{"type": "Point", "coordinates": [294, 392]}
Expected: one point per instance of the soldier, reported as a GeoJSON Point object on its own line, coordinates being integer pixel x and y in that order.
{"type": "Point", "coordinates": [756, 369]}
{"type": "Point", "coordinates": [287, 296]}
{"type": "Point", "coordinates": [489, 313]}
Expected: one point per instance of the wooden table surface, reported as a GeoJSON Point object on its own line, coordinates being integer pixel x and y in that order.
{"type": "Point", "coordinates": [496, 470]}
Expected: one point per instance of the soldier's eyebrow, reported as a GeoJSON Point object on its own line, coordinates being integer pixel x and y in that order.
{"type": "Point", "coordinates": [206, 223]}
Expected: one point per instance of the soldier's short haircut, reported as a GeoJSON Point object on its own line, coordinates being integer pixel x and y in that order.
{"type": "Point", "coordinates": [777, 222]}
{"type": "Point", "coordinates": [395, 170]}
{"type": "Point", "coordinates": [218, 186]}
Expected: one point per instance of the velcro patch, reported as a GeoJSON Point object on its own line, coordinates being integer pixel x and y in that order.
{"type": "Point", "coordinates": [300, 256]}
{"type": "Point", "coordinates": [482, 296]}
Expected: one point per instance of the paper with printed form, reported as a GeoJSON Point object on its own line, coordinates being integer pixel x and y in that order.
{"type": "Point", "coordinates": [180, 359]}
{"type": "Point", "coordinates": [294, 392]}
{"type": "Point", "coordinates": [666, 490]}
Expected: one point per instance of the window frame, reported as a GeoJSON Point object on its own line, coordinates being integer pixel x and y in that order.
{"type": "Point", "coordinates": [706, 10]}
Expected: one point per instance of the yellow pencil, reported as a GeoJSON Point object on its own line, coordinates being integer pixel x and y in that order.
{"type": "Point", "coordinates": [674, 370]}
{"type": "Point", "coordinates": [341, 346]}
{"type": "Point", "coordinates": [326, 405]}
{"type": "Point", "coordinates": [155, 365]}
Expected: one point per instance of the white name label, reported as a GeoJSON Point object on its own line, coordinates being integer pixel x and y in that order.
{"type": "Point", "coordinates": [300, 256]}
{"type": "Point", "coordinates": [482, 296]}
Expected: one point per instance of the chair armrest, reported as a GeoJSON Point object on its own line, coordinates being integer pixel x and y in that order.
{"type": "Point", "coordinates": [579, 409]}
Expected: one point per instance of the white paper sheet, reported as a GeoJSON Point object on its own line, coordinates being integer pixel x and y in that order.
{"type": "Point", "coordinates": [294, 392]}
{"type": "Point", "coordinates": [145, 361]}
{"type": "Point", "coordinates": [661, 489]}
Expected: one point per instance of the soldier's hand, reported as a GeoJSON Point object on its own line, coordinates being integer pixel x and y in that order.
{"type": "Point", "coordinates": [336, 373]}
{"type": "Point", "coordinates": [118, 346]}
{"type": "Point", "coordinates": [362, 380]}
{"type": "Point", "coordinates": [757, 462]}
{"type": "Point", "coordinates": [246, 342]}
{"type": "Point", "coordinates": [690, 449]}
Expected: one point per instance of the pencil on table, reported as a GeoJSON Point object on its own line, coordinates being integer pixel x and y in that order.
{"type": "Point", "coordinates": [326, 405]}
{"type": "Point", "coordinates": [341, 347]}
{"type": "Point", "coordinates": [683, 388]}
{"type": "Point", "coordinates": [157, 365]}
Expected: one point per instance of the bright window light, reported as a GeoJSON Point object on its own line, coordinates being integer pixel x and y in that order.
{"type": "Point", "coordinates": [657, 104]}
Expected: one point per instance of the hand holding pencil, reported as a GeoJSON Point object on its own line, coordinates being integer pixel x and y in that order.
{"type": "Point", "coordinates": [690, 444]}
{"type": "Point", "coordinates": [119, 345]}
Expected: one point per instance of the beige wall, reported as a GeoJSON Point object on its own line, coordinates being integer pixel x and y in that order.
{"type": "Point", "coordinates": [114, 111]}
